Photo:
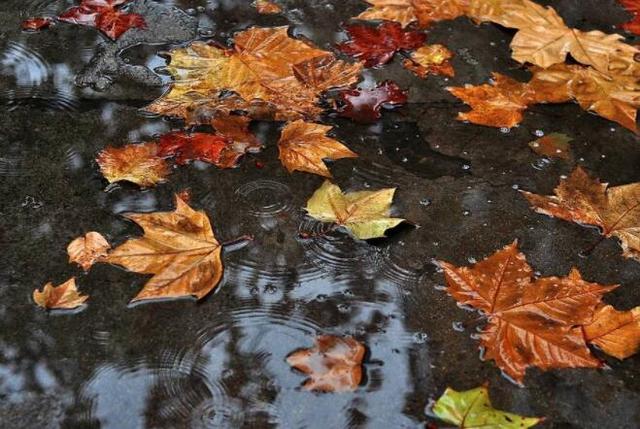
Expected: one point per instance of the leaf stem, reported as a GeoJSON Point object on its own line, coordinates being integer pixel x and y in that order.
{"type": "Point", "coordinates": [242, 240]}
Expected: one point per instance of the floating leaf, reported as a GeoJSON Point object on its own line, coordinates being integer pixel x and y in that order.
{"type": "Point", "coordinates": [303, 146]}
{"type": "Point", "coordinates": [178, 248]}
{"type": "Point", "coordinates": [424, 12]}
{"type": "Point", "coordinates": [105, 16]}
{"type": "Point", "coordinates": [137, 163]}
{"type": "Point", "coordinates": [615, 332]}
{"type": "Point", "coordinates": [584, 200]}
{"type": "Point", "coordinates": [266, 7]}
{"type": "Point", "coordinates": [334, 364]}
{"type": "Point", "coordinates": [430, 59]}
{"type": "Point", "coordinates": [206, 147]}
{"type": "Point", "coordinates": [64, 297]}
{"type": "Point", "coordinates": [363, 105]}
{"type": "Point", "coordinates": [554, 145]}
{"type": "Point", "coordinates": [366, 214]}
{"type": "Point", "coordinates": [531, 322]}
{"type": "Point", "coordinates": [472, 409]}
{"type": "Point", "coordinates": [273, 76]}
{"type": "Point", "coordinates": [377, 45]}
{"type": "Point", "coordinates": [88, 249]}
{"type": "Point", "coordinates": [37, 24]}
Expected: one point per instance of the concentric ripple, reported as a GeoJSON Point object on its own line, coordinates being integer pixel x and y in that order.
{"type": "Point", "coordinates": [265, 198]}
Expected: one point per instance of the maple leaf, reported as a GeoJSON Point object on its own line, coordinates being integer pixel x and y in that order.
{"type": "Point", "coordinates": [334, 364]}
{"type": "Point", "coordinates": [584, 200]}
{"type": "Point", "coordinates": [266, 7]}
{"type": "Point", "coordinates": [303, 146]}
{"type": "Point", "coordinates": [88, 249]}
{"type": "Point", "coordinates": [502, 103]}
{"type": "Point", "coordinates": [105, 16]}
{"type": "Point", "coordinates": [206, 147]}
{"type": "Point", "coordinates": [430, 59]}
{"type": "Point", "coordinates": [37, 23]}
{"type": "Point", "coordinates": [180, 250]}
{"type": "Point", "coordinates": [617, 333]}
{"type": "Point", "coordinates": [272, 75]}
{"type": "Point", "coordinates": [530, 322]}
{"type": "Point", "coordinates": [633, 7]}
{"type": "Point", "coordinates": [137, 163]}
{"type": "Point", "coordinates": [236, 129]}
{"type": "Point", "coordinates": [65, 296]}
{"type": "Point", "coordinates": [366, 214]}
{"type": "Point", "coordinates": [363, 105]}
{"type": "Point", "coordinates": [377, 45]}
{"type": "Point", "coordinates": [424, 12]}
{"type": "Point", "coordinates": [554, 145]}
{"type": "Point", "coordinates": [472, 409]}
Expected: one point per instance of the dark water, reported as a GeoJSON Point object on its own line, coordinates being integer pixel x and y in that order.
{"type": "Point", "coordinates": [220, 363]}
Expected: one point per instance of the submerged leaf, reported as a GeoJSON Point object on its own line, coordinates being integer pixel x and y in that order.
{"type": "Point", "coordinates": [430, 59]}
{"type": "Point", "coordinates": [88, 249]}
{"type": "Point", "coordinates": [187, 147]}
{"type": "Point", "coordinates": [334, 364]}
{"type": "Point", "coordinates": [180, 250]}
{"type": "Point", "coordinates": [472, 409]}
{"type": "Point", "coordinates": [584, 200]}
{"type": "Point", "coordinates": [377, 45]}
{"type": "Point", "coordinates": [64, 297]}
{"type": "Point", "coordinates": [303, 146]}
{"type": "Point", "coordinates": [37, 24]}
{"type": "Point", "coordinates": [531, 322]}
{"type": "Point", "coordinates": [554, 145]}
{"type": "Point", "coordinates": [105, 16]}
{"type": "Point", "coordinates": [617, 333]}
{"type": "Point", "coordinates": [366, 214]}
{"type": "Point", "coordinates": [363, 105]}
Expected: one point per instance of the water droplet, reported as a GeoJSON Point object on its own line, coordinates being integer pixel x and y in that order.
{"type": "Point", "coordinates": [425, 202]}
{"type": "Point", "coordinates": [505, 130]}
{"type": "Point", "coordinates": [472, 260]}
{"type": "Point", "coordinates": [458, 326]}
{"type": "Point", "coordinates": [405, 159]}
{"type": "Point", "coordinates": [516, 187]}
{"type": "Point", "coordinates": [538, 133]}
{"type": "Point", "coordinates": [420, 338]}
{"type": "Point", "coordinates": [466, 166]}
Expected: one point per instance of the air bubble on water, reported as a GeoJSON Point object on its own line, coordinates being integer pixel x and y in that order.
{"type": "Point", "coordinates": [537, 273]}
{"type": "Point", "coordinates": [563, 176]}
{"type": "Point", "coordinates": [603, 156]}
{"type": "Point", "coordinates": [380, 151]}
{"type": "Point", "coordinates": [466, 212]}
{"type": "Point", "coordinates": [535, 144]}
{"type": "Point", "coordinates": [405, 159]}
{"type": "Point", "coordinates": [425, 202]}
{"type": "Point", "coordinates": [321, 298]}
{"type": "Point", "coordinates": [366, 185]}
{"type": "Point", "coordinates": [613, 130]}
{"type": "Point", "coordinates": [420, 338]}
{"type": "Point", "coordinates": [466, 166]}
{"type": "Point", "coordinates": [541, 163]}
{"type": "Point", "coordinates": [436, 243]}
{"type": "Point", "coordinates": [458, 326]}
{"type": "Point", "coordinates": [472, 260]}
{"type": "Point", "coordinates": [581, 159]}
{"type": "Point", "coordinates": [516, 187]}
{"type": "Point", "coordinates": [538, 133]}
{"type": "Point", "coordinates": [270, 289]}
{"type": "Point", "coordinates": [505, 130]}
{"type": "Point", "coordinates": [397, 149]}
{"type": "Point", "coordinates": [344, 308]}
{"type": "Point", "coordinates": [492, 43]}
{"type": "Point", "coordinates": [489, 201]}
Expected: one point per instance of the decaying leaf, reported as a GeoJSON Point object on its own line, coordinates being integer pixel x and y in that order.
{"type": "Point", "coordinates": [617, 333]}
{"type": "Point", "coordinates": [267, 74]}
{"type": "Point", "coordinates": [377, 45]}
{"type": "Point", "coordinates": [303, 146]}
{"type": "Point", "coordinates": [137, 163]}
{"type": "Point", "coordinates": [180, 250]}
{"type": "Point", "coordinates": [554, 145]}
{"type": "Point", "coordinates": [366, 214]}
{"type": "Point", "coordinates": [584, 200]}
{"type": "Point", "coordinates": [334, 364]}
{"type": "Point", "coordinates": [88, 249]}
{"type": "Point", "coordinates": [531, 322]}
{"type": "Point", "coordinates": [423, 12]}
{"type": "Point", "coordinates": [104, 15]}
{"type": "Point", "coordinates": [633, 7]}
{"type": "Point", "coordinates": [363, 105]}
{"type": "Point", "coordinates": [430, 59]}
{"type": "Point", "coordinates": [64, 297]}
{"type": "Point", "coordinates": [37, 24]}
{"type": "Point", "coordinates": [472, 409]}
{"type": "Point", "coordinates": [501, 104]}
{"type": "Point", "coordinates": [267, 7]}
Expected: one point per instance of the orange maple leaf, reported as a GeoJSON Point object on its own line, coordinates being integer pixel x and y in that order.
{"type": "Point", "coordinates": [531, 322]}
{"type": "Point", "coordinates": [617, 333]}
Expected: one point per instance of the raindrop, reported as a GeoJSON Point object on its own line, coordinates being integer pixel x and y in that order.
{"type": "Point", "coordinates": [538, 133]}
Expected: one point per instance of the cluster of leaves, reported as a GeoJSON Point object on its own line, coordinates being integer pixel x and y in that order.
{"type": "Point", "coordinates": [105, 15]}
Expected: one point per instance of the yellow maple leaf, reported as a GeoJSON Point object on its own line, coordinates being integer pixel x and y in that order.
{"type": "Point", "coordinates": [272, 75]}
{"type": "Point", "coordinates": [135, 163]}
{"type": "Point", "coordinates": [617, 333]}
{"type": "Point", "coordinates": [430, 59]}
{"type": "Point", "coordinates": [303, 146]}
{"type": "Point", "coordinates": [366, 214]}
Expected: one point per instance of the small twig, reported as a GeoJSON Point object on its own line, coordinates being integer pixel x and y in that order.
{"type": "Point", "coordinates": [244, 239]}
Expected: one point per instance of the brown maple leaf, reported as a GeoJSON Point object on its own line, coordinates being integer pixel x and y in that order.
{"type": "Point", "coordinates": [267, 7]}
{"type": "Point", "coordinates": [304, 146]}
{"type": "Point", "coordinates": [554, 145]}
{"type": "Point", "coordinates": [137, 163]}
{"type": "Point", "coordinates": [531, 322]}
{"type": "Point", "coordinates": [88, 249]}
{"type": "Point", "coordinates": [423, 12]}
{"type": "Point", "coordinates": [64, 297]}
{"type": "Point", "coordinates": [617, 333]}
{"type": "Point", "coordinates": [267, 74]}
{"type": "Point", "coordinates": [582, 199]}
{"type": "Point", "coordinates": [430, 59]}
{"type": "Point", "coordinates": [178, 248]}
{"type": "Point", "coordinates": [502, 103]}
{"type": "Point", "coordinates": [334, 364]}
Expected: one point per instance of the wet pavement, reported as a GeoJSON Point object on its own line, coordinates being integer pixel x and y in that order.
{"type": "Point", "coordinates": [66, 94]}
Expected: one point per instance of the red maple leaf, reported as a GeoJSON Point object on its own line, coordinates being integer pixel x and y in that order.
{"type": "Point", "coordinates": [36, 24]}
{"type": "Point", "coordinates": [103, 15]}
{"type": "Point", "coordinates": [363, 105]}
{"type": "Point", "coordinates": [377, 45]}
{"type": "Point", "coordinates": [205, 147]}
{"type": "Point", "coordinates": [633, 7]}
